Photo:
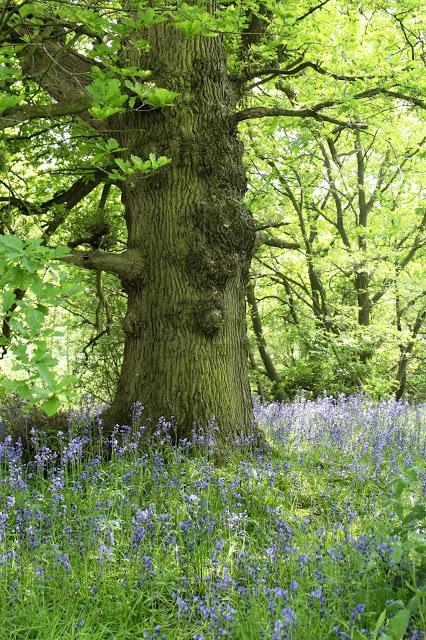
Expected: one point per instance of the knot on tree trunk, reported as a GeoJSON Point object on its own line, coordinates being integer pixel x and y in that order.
{"type": "Point", "coordinates": [132, 324]}
{"type": "Point", "coordinates": [209, 319]}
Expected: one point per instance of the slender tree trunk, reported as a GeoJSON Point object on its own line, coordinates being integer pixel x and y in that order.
{"type": "Point", "coordinates": [277, 391]}
{"type": "Point", "coordinates": [406, 350]}
{"type": "Point", "coordinates": [362, 275]}
{"type": "Point", "coordinates": [186, 346]}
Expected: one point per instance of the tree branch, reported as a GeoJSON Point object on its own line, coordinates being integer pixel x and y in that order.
{"type": "Point", "coordinates": [293, 71]}
{"type": "Point", "coordinates": [268, 112]}
{"type": "Point", "coordinates": [312, 10]}
{"type": "Point", "coordinates": [12, 117]}
{"type": "Point", "coordinates": [315, 111]}
{"type": "Point", "coordinates": [271, 225]}
{"type": "Point", "coordinates": [69, 198]}
{"type": "Point", "coordinates": [127, 265]}
{"type": "Point", "coordinates": [271, 241]}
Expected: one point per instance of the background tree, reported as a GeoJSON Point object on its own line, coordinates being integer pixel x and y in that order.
{"type": "Point", "coordinates": [352, 205]}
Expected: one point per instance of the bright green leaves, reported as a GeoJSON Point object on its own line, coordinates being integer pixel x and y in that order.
{"type": "Point", "coordinates": [51, 405]}
{"type": "Point", "coordinates": [29, 284]}
{"type": "Point", "coordinates": [151, 95]}
{"type": "Point", "coordinates": [193, 20]}
{"type": "Point", "coordinates": [31, 10]}
{"type": "Point", "coordinates": [150, 16]}
{"type": "Point", "coordinates": [107, 95]}
{"type": "Point", "coordinates": [407, 505]}
{"type": "Point", "coordinates": [129, 166]}
{"type": "Point", "coordinates": [12, 246]}
{"type": "Point", "coordinates": [7, 102]}
{"type": "Point", "coordinates": [136, 164]}
{"type": "Point", "coordinates": [393, 621]}
{"type": "Point", "coordinates": [110, 97]}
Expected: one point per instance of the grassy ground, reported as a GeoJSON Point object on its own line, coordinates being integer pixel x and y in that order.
{"type": "Point", "coordinates": [322, 538]}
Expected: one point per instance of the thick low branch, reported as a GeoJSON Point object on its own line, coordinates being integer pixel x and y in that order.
{"type": "Point", "coordinates": [127, 265]}
{"type": "Point", "coordinates": [68, 198]}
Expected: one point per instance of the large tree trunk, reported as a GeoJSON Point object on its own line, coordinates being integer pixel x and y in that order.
{"type": "Point", "coordinates": [185, 329]}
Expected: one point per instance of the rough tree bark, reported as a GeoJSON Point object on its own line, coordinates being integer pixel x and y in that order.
{"type": "Point", "coordinates": [185, 330]}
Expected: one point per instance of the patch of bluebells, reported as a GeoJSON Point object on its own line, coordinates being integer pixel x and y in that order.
{"type": "Point", "coordinates": [280, 538]}
{"type": "Point", "coordinates": [369, 434]}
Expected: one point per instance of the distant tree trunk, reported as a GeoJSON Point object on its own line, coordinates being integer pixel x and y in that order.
{"type": "Point", "coordinates": [186, 349]}
{"type": "Point", "coordinates": [256, 373]}
{"type": "Point", "coordinates": [277, 390]}
{"type": "Point", "coordinates": [362, 275]}
{"type": "Point", "coordinates": [406, 350]}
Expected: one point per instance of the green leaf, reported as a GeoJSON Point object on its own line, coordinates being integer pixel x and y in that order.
{"type": "Point", "coordinates": [398, 624]}
{"type": "Point", "coordinates": [417, 514]}
{"type": "Point", "coordinates": [11, 245]}
{"type": "Point", "coordinates": [150, 17]}
{"type": "Point", "coordinates": [125, 166]}
{"type": "Point", "coordinates": [158, 97]}
{"type": "Point", "coordinates": [45, 374]}
{"type": "Point", "coordinates": [379, 624]}
{"type": "Point", "coordinates": [190, 28]}
{"type": "Point", "coordinates": [31, 9]}
{"type": "Point", "coordinates": [107, 95]}
{"type": "Point", "coordinates": [397, 552]}
{"type": "Point", "coordinates": [100, 113]}
{"type": "Point", "coordinates": [51, 406]}
{"type": "Point", "coordinates": [6, 102]}
{"type": "Point", "coordinates": [8, 298]}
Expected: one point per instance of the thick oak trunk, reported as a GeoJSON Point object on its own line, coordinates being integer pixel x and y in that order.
{"type": "Point", "coordinates": [185, 329]}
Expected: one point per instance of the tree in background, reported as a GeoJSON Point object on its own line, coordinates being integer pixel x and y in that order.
{"type": "Point", "coordinates": [352, 204]}
{"type": "Point", "coordinates": [142, 101]}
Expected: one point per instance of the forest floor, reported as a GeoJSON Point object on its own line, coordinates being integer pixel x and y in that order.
{"type": "Point", "coordinates": [322, 537]}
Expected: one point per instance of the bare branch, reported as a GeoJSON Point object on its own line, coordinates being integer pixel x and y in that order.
{"type": "Point", "coordinates": [312, 10]}
{"type": "Point", "coordinates": [314, 112]}
{"type": "Point", "coordinates": [295, 70]}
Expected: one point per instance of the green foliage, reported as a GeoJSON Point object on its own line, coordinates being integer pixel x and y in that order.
{"type": "Point", "coordinates": [136, 164]}
{"type": "Point", "coordinates": [25, 268]}
{"type": "Point", "coordinates": [354, 52]}
{"type": "Point", "coordinates": [309, 294]}
{"type": "Point", "coordinates": [153, 96]}
{"type": "Point", "coordinates": [107, 95]}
